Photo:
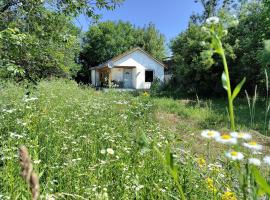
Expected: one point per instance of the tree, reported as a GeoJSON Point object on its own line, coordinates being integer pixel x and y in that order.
{"type": "Point", "coordinates": [108, 39]}
{"type": "Point", "coordinates": [38, 38]}
{"type": "Point", "coordinates": [244, 45]}
{"type": "Point", "coordinates": [211, 8]}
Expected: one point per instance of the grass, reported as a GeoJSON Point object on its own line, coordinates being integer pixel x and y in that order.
{"type": "Point", "coordinates": [68, 130]}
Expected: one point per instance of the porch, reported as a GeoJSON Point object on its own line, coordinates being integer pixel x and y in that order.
{"type": "Point", "coordinates": [116, 77]}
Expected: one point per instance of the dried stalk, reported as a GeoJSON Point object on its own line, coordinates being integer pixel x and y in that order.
{"type": "Point", "coordinates": [27, 173]}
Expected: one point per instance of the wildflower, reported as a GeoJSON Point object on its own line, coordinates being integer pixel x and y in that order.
{"type": "Point", "coordinates": [241, 135]}
{"type": "Point", "coordinates": [234, 155]}
{"type": "Point", "coordinates": [201, 162]}
{"type": "Point", "coordinates": [266, 160]}
{"type": "Point", "coordinates": [14, 135]}
{"type": "Point", "coordinates": [212, 20]}
{"type": "Point", "coordinates": [103, 151]}
{"type": "Point", "coordinates": [228, 195]}
{"type": "Point", "coordinates": [216, 167]}
{"type": "Point", "coordinates": [226, 139]}
{"type": "Point", "coordinates": [110, 151]}
{"type": "Point", "coordinates": [210, 134]}
{"type": "Point", "coordinates": [253, 145]}
{"type": "Point", "coordinates": [210, 185]}
{"type": "Point", "coordinates": [254, 161]}
{"type": "Point", "coordinates": [145, 94]}
{"type": "Point", "coordinates": [203, 43]}
{"type": "Point", "coordinates": [36, 161]}
{"type": "Point", "coordinates": [30, 99]}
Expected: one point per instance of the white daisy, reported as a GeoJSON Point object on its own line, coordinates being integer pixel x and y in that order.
{"type": "Point", "coordinates": [110, 151]}
{"type": "Point", "coordinates": [103, 151]}
{"type": "Point", "coordinates": [210, 134]}
{"type": "Point", "coordinates": [212, 20]}
{"type": "Point", "coordinates": [253, 145]}
{"type": "Point", "coordinates": [226, 139]}
{"type": "Point", "coordinates": [234, 155]}
{"type": "Point", "coordinates": [254, 161]}
{"type": "Point", "coordinates": [266, 160]}
{"type": "Point", "coordinates": [241, 135]}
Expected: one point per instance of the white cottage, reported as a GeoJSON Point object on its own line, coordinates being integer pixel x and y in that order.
{"type": "Point", "coordinates": [134, 69]}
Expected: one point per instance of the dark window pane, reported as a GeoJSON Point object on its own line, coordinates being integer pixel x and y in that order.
{"type": "Point", "coordinates": [149, 75]}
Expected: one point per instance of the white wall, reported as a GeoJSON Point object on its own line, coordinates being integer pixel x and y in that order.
{"type": "Point", "coordinates": [142, 63]}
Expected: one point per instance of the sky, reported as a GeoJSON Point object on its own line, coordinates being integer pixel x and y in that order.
{"type": "Point", "coordinates": [170, 16]}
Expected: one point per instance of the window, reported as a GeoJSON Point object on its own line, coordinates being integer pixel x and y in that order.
{"type": "Point", "coordinates": [149, 75]}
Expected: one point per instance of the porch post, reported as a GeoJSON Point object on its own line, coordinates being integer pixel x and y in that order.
{"type": "Point", "coordinates": [110, 77]}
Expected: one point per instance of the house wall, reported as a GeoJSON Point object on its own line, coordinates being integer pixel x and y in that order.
{"type": "Point", "coordinates": [142, 63]}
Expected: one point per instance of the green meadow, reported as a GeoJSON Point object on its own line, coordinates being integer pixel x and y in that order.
{"type": "Point", "coordinates": [88, 144]}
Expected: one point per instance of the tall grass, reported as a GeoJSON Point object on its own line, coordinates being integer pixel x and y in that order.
{"type": "Point", "coordinates": [88, 145]}
{"type": "Point", "coordinates": [252, 105]}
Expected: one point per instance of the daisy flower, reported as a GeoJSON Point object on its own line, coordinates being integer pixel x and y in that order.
{"type": "Point", "coordinates": [254, 161]}
{"type": "Point", "coordinates": [110, 151]}
{"type": "Point", "coordinates": [103, 151]}
{"type": "Point", "coordinates": [241, 135]}
{"type": "Point", "coordinates": [226, 139]}
{"type": "Point", "coordinates": [212, 20]}
{"type": "Point", "coordinates": [234, 155]}
{"type": "Point", "coordinates": [210, 134]}
{"type": "Point", "coordinates": [253, 145]}
{"type": "Point", "coordinates": [266, 160]}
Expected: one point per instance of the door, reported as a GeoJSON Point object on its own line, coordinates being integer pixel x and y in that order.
{"type": "Point", "coordinates": [127, 78]}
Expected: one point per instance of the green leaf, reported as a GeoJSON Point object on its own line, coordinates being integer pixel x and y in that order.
{"type": "Point", "coordinates": [224, 81]}
{"type": "Point", "coordinates": [267, 45]}
{"type": "Point", "coordinates": [260, 180]}
{"type": "Point", "coordinates": [169, 158]}
{"type": "Point", "coordinates": [238, 88]}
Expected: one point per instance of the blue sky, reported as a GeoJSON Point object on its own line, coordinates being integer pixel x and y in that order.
{"type": "Point", "coordinates": [170, 16]}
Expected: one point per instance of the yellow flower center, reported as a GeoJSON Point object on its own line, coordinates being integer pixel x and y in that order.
{"type": "Point", "coordinates": [226, 137]}
{"type": "Point", "coordinates": [252, 143]}
{"type": "Point", "coordinates": [234, 153]}
{"type": "Point", "coordinates": [210, 133]}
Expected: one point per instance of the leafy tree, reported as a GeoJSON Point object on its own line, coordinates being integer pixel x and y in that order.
{"type": "Point", "coordinates": [108, 39]}
{"type": "Point", "coordinates": [244, 45]}
{"type": "Point", "coordinates": [38, 38]}
{"type": "Point", "coordinates": [211, 8]}
{"type": "Point", "coordinates": [66, 7]}
{"type": "Point", "coordinates": [45, 49]}
{"type": "Point", "coordinates": [249, 37]}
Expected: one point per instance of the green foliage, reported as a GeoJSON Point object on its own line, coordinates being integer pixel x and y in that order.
{"type": "Point", "coordinates": [196, 73]}
{"type": "Point", "coordinates": [68, 8]}
{"type": "Point", "coordinates": [38, 38]}
{"type": "Point", "coordinates": [47, 50]}
{"type": "Point", "coordinates": [67, 129]}
{"type": "Point", "coordinates": [108, 39]}
{"type": "Point", "coordinates": [261, 181]}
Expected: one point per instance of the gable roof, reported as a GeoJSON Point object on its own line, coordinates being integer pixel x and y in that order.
{"type": "Point", "coordinates": [116, 58]}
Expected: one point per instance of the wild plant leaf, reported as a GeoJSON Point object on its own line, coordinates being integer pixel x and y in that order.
{"type": "Point", "coordinates": [260, 192]}
{"type": "Point", "coordinates": [260, 180]}
{"type": "Point", "coordinates": [238, 88]}
{"type": "Point", "coordinates": [224, 81]}
{"type": "Point", "coordinates": [169, 158]}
